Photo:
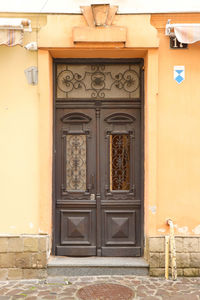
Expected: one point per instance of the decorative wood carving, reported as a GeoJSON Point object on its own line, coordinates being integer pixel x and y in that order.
{"type": "Point", "coordinates": [120, 118]}
{"type": "Point", "coordinates": [76, 227]}
{"type": "Point", "coordinates": [120, 227]}
{"type": "Point", "coordinates": [75, 118]}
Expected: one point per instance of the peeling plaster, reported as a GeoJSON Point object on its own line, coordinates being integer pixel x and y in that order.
{"type": "Point", "coordinates": [161, 230]}
{"type": "Point", "coordinates": [183, 229]}
{"type": "Point", "coordinates": [196, 230]}
{"type": "Point", "coordinates": [153, 209]}
{"type": "Point", "coordinates": [31, 225]}
{"type": "Point", "coordinates": [41, 231]}
{"type": "Point", "coordinates": [12, 227]}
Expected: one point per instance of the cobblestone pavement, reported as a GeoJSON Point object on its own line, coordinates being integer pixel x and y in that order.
{"type": "Point", "coordinates": [143, 287]}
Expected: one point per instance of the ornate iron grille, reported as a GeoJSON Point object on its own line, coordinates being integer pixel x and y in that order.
{"type": "Point", "coordinates": [98, 81]}
{"type": "Point", "coordinates": [120, 162]}
{"type": "Point", "coordinates": [76, 162]}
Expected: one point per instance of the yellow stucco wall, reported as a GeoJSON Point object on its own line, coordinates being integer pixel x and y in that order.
{"type": "Point", "coordinates": [172, 122]}
{"type": "Point", "coordinates": [19, 149]}
{"type": "Point", "coordinates": [178, 140]}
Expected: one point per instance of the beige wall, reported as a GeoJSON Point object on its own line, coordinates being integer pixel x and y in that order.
{"type": "Point", "coordinates": [172, 122]}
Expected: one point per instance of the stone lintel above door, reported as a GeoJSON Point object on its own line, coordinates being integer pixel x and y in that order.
{"type": "Point", "coordinates": [112, 34]}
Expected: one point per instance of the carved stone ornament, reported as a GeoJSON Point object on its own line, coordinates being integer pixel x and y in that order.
{"type": "Point", "coordinates": [99, 14]}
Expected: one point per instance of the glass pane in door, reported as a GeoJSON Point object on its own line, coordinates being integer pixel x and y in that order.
{"type": "Point", "coordinates": [119, 162]}
{"type": "Point", "coordinates": [76, 162]}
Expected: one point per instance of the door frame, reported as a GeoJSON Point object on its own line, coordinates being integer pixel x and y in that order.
{"type": "Point", "coordinates": [142, 96]}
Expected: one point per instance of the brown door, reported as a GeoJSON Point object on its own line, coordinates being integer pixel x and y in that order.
{"type": "Point", "coordinates": [98, 194]}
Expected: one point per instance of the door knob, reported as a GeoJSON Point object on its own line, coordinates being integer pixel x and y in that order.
{"type": "Point", "coordinates": [92, 196]}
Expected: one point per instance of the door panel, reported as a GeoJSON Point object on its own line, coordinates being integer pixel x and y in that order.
{"type": "Point", "coordinates": [119, 227]}
{"type": "Point", "coordinates": [77, 232]}
{"type": "Point", "coordinates": [120, 189]}
{"type": "Point", "coordinates": [75, 171]}
{"type": "Point", "coordinates": [79, 225]}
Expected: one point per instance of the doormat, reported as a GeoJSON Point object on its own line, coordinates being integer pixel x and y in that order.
{"type": "Point", "coordinates": [105, 291]}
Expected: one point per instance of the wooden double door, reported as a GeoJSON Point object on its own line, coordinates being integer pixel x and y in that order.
{"type": "Point", "coordinates": [98, 181]}
{"type": "Point", "coordinates": [98, 206]}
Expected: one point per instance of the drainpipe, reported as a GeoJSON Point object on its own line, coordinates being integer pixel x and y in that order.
{"type": "Point", "coordinates": [167, 257]}
{"type": "Point", "coordinates": [173, 251]}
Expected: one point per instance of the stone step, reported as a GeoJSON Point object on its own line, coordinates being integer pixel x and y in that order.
{"type": "Point", "coordinates": [94, 266]}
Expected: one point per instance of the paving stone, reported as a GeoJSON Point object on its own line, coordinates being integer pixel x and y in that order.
{"type": "Point", "coordinates": [143, 287]}
{"type": "Point", "coordinates": [3, 291]}
{"type": "Point", "coordinates": [14, 292]}
{"type": "Point", "coordinates": [149, 298]}
{"type": "Point", "coordinates": [44, 293]}
{"type": "Point", "coordinates": [69, 291]}
{"type": "Point", "coordinates": [67, 298]}
{"type": "Point", "coordinates": [48, 297]}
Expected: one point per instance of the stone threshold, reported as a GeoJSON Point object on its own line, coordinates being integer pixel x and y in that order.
{"type": "Point", "coordinates": [84, 266]}
{"type": "Point", "coordinates": [95, 261]}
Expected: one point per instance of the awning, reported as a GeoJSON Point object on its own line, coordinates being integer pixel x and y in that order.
{"type": "Point", "coordinates": [12, 30]}
{"type": "Point", "coordinates": [185, 33]}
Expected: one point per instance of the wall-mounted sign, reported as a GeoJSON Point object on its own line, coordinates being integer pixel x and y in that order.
{"type": "Point", "coordinates": [175, 44]}
{"type": "Point", "coordinates": [32, 75]}
{"type": "Point", "coordinates": [179, 73]}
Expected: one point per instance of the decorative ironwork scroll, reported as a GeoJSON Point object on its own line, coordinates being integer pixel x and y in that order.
{"type": "Point", "coordinates": [76, 162]}
{"type": "Point", "coordinates": [119, 162]}
{"type": "Point", "coordinates": [98, 81]}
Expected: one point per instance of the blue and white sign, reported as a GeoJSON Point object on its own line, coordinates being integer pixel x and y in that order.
{"type": "Point", "coordinates": [179, 73]}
